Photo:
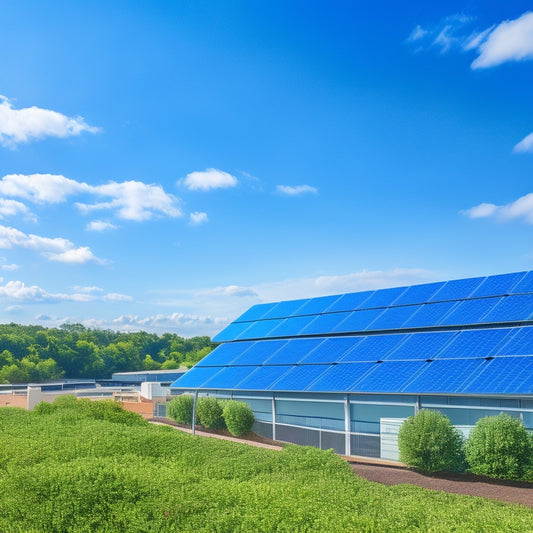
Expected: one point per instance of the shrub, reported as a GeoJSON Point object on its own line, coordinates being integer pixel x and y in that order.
{"type": "Point", "coordinates": [239, 417]}
{"type": "Point", "coordinates": [65, 401]}
{"type": "Point", "coordinates": [499, 447]}
{"type": "Point", "coordinates": [44, 408]}
{"type": "Point", "coordinates": [209, 412]}
{"type": "Point", "coordinates": [429, 442]}
{"type": "Point", "coordinates": [180, 409]}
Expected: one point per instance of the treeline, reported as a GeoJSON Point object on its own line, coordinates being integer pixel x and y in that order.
{"type": "Point", "coordinates": [35, 353]}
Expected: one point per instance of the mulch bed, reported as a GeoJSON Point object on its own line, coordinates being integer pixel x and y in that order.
{"type": "Point", "coordinates": [469, 484]}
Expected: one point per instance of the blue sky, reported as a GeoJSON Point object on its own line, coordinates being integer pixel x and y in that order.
{"type": "Point", "coordinates": [166, 165]}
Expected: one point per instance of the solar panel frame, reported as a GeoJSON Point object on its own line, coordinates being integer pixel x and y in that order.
{"type": "Point", "coordinates": [299, 378]}
{"type": "Point", "coordinates": [475, 343]}
{"type": "Point", "coordinates": [263, 377]}
{"type": "Point", "coordinates": [349, 302]}
{"type": "Point", "coordinates": [258, 351]}
{"type": "Point", "coordinates": [340, 378]}
{"type": "Point", "coordinates": [315, 306]}
{"type": "Point", "coordinates": [260, 329]}
{"type": "Point", "coordinates": [383, 298]}
{"type": "Point", "coordinates": [358, 321]}
{"type": "Point", "coordinates": [430, 314]}
{"type": "Point", "coordinates": [228, 378]}
{"type": "Point", "coordinates": [457, 289]}
{"type": "Point", "coordinates": [294, 351]}
{"type": "Point", "coordinates": [291, 326]}
{"type": "Point", "coordinates": [418, 294]}
{"type": "Point", "coordinates": [225, 353]}
{"type": "Point", "coordinates": [232, 331]}
{"type": "Point", "coordinates": [196, 377]}
{"type": "Point", "coordinates": [498, 285]}
{"type": "Point", "coordinates": [374, 348]}
{"type": "Point", "coordinates": [285, 309]}
{"type": "Point", "coordinates": [521, 343]}
{"type": "Point", "coordinates": [525, 285]}
{"type": "Point", "coordinates": [388, 376]}
{"type": "Point", "coordinates": [324, 323]}
{"type": "Point", "coordinates": [331, 350]}
{"type": "Point", "coordinates": [393, 317]}
{"type": "Point", "coordinates": [423, 345]}
{"type": "Point", "coordinates": [514, 308]}
{"type": "Point", "coordinates": [470, 312]}
{"type": "Point", "coordinates": [256, 312]}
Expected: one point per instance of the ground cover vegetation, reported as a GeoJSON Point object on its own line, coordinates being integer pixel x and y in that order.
{"type": "Point", "coordinates": [498, 446]}
{"type": "Point", "coordinates": [81, 467]}
{"type": "Point", "coordinates": [35, 353]}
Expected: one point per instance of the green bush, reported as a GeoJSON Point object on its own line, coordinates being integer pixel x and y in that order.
{"type": "Point", "coordinates": [180, 409]}
{"type": "Point", "coordinates": [429, 442]}
{"type": "Point", "coordinates": [209, 413]}
{"type": "Point", "coordinates": [499, 447]}
{"type": "Point", "coordinates": [65, 401]}
{"type": "Point", "coordinates": [44, 408]}
{"type": "Point", "coordinates": [239, 417]}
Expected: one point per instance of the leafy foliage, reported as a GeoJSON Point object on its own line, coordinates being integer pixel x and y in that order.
{"type": "Point", "coordinates": [499, 447]}
{"type": "Point", "coordinates": [239, 417]}
{"type": "Point", "coordinates": [67, 471]}
{"type": "Point", "coordinates": [429, 442]}
{"type": "Point", "coordinates": [34, 353]}
{"type": "Point", "coordinates": [209, 411]}
{"type": "Point", "coordinates": [180, 408]}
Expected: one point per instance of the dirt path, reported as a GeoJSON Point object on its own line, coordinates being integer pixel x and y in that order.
{"type": "Point", "coordinates": [511, 492]}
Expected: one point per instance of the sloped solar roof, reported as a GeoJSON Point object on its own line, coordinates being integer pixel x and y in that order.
{"type": "Point", "coordinates": [469, 336]}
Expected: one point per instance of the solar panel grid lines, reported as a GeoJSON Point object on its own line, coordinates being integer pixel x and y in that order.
{"type": "Point", "coordinates": [429, 314]}
{"type": "Point", "coordinates": [525, 285]}
{"type": "Point", "coordinates": [324, 323]}
{"type": "Point", "coordinates": [331, 350]}
{"type": "Point", "coordinates": [228, 377]}
{"type": "Point", "coordinates": [232, 331]}
{"type": "Point", "coordinates": [259, 329]}
{"type": "Point", "coordinates": [357, 321]}
{"type": "Point", "coordinates": [298, 378]}
{"type": "Point", "coordinates": [291, 326]}
{"type": "Point", "coordinates": [498, 285]}
{"type": "Point", "coordinates": [256, 312]}
{"type": "Point", "coordinates": [374, 348]}
{"type": "Point", "coordinates": [315, 306]}
{"type": "Point", "coordinates": [521, 343]}
{"type": "Point", "coordinates": [421, 346]}
{"type": "Point", "coordinates": [513, 308]}
{"type": "Point", "coordinates": [470, 311]}
{"type": "Point", "coordinates": [393, 317]}
{"type": "Point", "coordinates": [383, 298]}
{"type": "Point", "coordinates": [418, 294]}
{"type": "Point", "coordinates": [294, 351]}
{"type": "Point", "coordinates": [476, 343]}
{"type": "Point", "coordinates": [263, 377]}
{"type": "Point", "coordinates": [225, 353]}
{"type": "Point", "coordinates": [349, 302]}
{"type": "Point", "coordinates": [257, 352]}
{"type": "Point", "coordinates": [339, 377]}
{"type": "Point", "coordinates": [388, 376]}
{"type": "Point", "coordinates": [285, 309]}
{"type": "Point", "coordinates": [457, 289]}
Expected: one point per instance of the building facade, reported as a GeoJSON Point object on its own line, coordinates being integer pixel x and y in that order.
{"type": "Point", "coordinates": [344, 371]}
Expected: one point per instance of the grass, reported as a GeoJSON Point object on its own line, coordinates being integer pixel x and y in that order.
{"type": "Point", "coordinates": [70, 470]}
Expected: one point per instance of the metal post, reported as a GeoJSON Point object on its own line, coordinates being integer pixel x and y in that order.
{"type": "Point", "coordinates": [194, 398]}
{"type": "Point", "coordinates": [273, 417]}
{"type": "Point", "coordinates": [347, 426]}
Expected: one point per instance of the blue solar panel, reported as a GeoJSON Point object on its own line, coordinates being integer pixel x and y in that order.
{"type": "Point", "coordinates": [324, 323]}
{"type": "Point", "coordinates": [422, 345]}
{"type": "Point", "coordinates": [503, 375]}
{"type": "Point", "coordinates": [228, 377]}
{"type": "Point", "coordinates": [299, 378]}
{"type": "Point", "coordinates": [260, 328]}
{"type": "Point", "coordinates": [340, 377]}
{"type": "Point", "coordinates": [519, 344]}
{"type": "Point", "coordinates": [526, 285]}
{"type": "Point", "coordinates": [285, 309]}
{"type": "Point", "coordinates": [263, 377]}
{"type": "Point", "coordinates": [315, 306]}
{"type": "Point", "coordinates": [394, 317]}
{"type": "Point", "coordinates": [294, 351]}
{"type": "Point", "coordinates": [383, 298]}
{"type": "Point", "coordinates": [332, 350]}
{"type": "Point", "coordinates": [256, 312]}
{"type": "Point", "coordinates": [374, 348]}
{"type": "Point", "coordinates": [358, 320]}
{"type": "Point", "coordinates": [258, 352]}
{"type": "Point", "coordinates": [457, 289]}
{"type": "Point", "coordinates": [498, 285]}
{"type": "Point", "coordinates": [349, 302]}
{"type": "Point", "coordinates": [470, 312]}
{"type": "Point", "coordinates": [389, 376]}
{"type": "Point", "coordinates": [513, 308]}
{"type": "Point", "coordinates": [429, 315]}
{"type": "Point", "coordinates": [224, 354]}
{"type": "Point", "coordinates": [196, 377]}
{"type": "Point", "coordinates": [475, 343]}
{"type": "Point", "coordinates": [291, 326]}
{"type": "Point", "coordinates": [232, 332]}
{"type": "Point", "coordinates": [417, 294]}
{"type": "Point", "coordinates": [445, 376]}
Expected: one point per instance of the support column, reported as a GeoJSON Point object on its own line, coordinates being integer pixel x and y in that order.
{"type": "Point", "coordinates": [194, 398]}
{"type": "Point", "coordinates": [347, 426]}
{"type": "Point", "coordinates": [273, 417]}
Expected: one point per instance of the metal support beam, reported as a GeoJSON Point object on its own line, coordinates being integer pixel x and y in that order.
{"type": "Point", "coordinates": [347, 426]}
{"type": "Point", "coordinates": [273, 417]}
{"type": "Point", "coordinates": [193, 425]}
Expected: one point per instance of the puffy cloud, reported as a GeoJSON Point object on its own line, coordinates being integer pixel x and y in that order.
{"type": "Point", "coordinates": [10, 267]}
{"type": "Point", "coordinates": [519, 209]}
{"type": "Point", "coordinates": [41, 188]}
{"type": "Point", "coordinates": [9, 208]}
{"type": "Point", "coordinates": [99, 225]}
{"type": "Point", "coordinates": [210, 178]}
{"type": "Point", "coordinates": [134, 200]}
{"type": "Point", "coordinates": [511, 40]}
{"type": "Point", "coordinates": [22, 125]}
{"type": "Point", "coordinates": [55, 249]}
{"type": "Point", "coordinates": [296, 191]}
{"type": "Point", "coordinates": [20, 292]}
{"type": "Point", "coordinates": [197, 218]}
{"type": "Point", "coordinates": [525, 145]}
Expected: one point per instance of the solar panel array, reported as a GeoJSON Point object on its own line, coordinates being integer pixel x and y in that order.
{"type": "Point", "coordinates": [470, 336]}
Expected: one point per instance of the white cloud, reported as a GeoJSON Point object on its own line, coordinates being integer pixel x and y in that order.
{"type": "Point", "coordinates": [525, 145]}
{"type": "Point", "coordinates": [20, 292]}
{"type": "Point", "coordinates": [519, 209]}
{"type": "Point", "coordinates": [417, 33]}
{"type": "Point", "coordinates": [210, 178]}
{"type": "Point", "coordinates": [134, 200]}
{"type": "Point", "coordinates": [511, 40]}
{"type": "Point", "coordinates": [197, 218]}
{"type": "Point", "coordinates": [55, 249]}
{"type": "Point", "coordinates": [9, 208]}
{"type": "Point", "coordinates": [22, 125]}
{"type": "Point", "coordinates": [10, 267]}
{"type": "Point", "coordinates": [41, 188]}
{"type": "Point", "coordinates": [99, 225]}
{"type": "Point", "coordinates": [295, 191]}
{"type": "Point", "coordinates": [88, 289]}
